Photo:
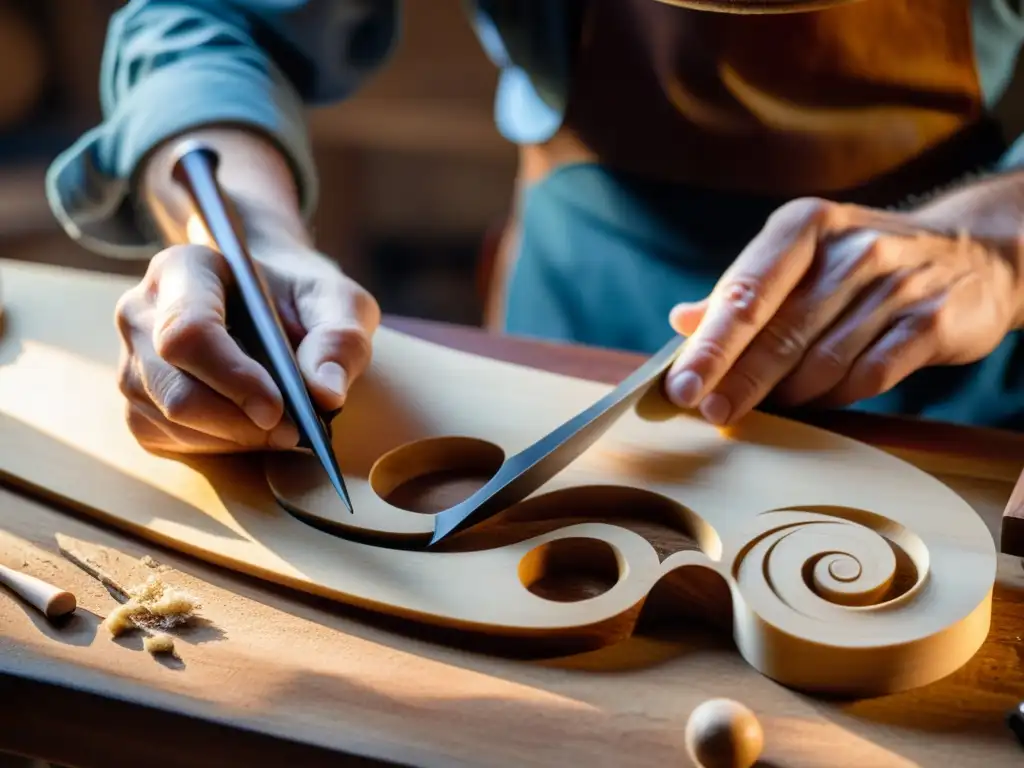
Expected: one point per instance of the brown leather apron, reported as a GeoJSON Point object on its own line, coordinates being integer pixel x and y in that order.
{"type": "Point", "coordinates": [815, 102]}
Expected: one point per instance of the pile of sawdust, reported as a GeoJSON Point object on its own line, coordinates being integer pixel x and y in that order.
{"type": "Point", "coordinates": [158, 643]}
{"type": "Point", "coordinates": [152, 605]}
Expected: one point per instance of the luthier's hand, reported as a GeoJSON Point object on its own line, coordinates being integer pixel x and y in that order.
{"type": "Point", "coordinates": [831, 304]}
{"type": "Point", "coordinates": [191, 389]}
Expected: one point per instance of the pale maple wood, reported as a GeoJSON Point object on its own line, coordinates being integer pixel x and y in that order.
{"type": "Point", "coordinates": [277, 678]}
{"type": "Point", "coordinates": [848, 571]}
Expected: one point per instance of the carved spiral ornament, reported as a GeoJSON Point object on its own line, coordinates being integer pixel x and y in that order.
{"type": "Point", "coordinates": [843, 599]}
{"type": "Point", "coordinates": [819, 564]}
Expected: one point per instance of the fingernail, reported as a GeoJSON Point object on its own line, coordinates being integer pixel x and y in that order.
{"type": "Point", "coordinates": [332, 377]}
{"type": "Point", "coordinates": [262, 412]}
{"type": "Point", "coordinates": [716, 408]}
{"type": "Point", "coordinates": [285, 435]}
{"type": "Point", "coordinates": [684, 388]}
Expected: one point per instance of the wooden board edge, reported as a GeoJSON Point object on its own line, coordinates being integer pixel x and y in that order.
{"type": "Point", "coordinates": [78, 729]}
{"type": "Point", "coordinates": [1011, 534]}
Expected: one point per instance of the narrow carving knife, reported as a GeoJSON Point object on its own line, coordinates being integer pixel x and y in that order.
{"type": "Point", "coordinates": [256, 324]}
{"type": "Point", "coordinates": [529, 469]}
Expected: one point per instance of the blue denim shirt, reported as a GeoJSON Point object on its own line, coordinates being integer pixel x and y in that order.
{"type": "Point", "coordinates": [170, 65]}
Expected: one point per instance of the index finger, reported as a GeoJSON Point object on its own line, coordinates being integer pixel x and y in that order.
{"type": "Point", "coordinates": [746, 297]}
{"type": "Point", "coordinates": [189, 332]}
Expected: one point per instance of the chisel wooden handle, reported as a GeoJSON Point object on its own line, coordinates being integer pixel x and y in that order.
{"type": "Point", "coordinates": [52, 601]}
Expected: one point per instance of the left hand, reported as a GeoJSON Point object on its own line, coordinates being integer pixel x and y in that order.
{"type": "Point", "coordinates": [831, 304]}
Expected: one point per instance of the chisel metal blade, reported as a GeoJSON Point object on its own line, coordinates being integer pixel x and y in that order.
{"type": "Point", "coordinates": [256, 322]}
{"type": "Point", "coordinates": [529, 469]}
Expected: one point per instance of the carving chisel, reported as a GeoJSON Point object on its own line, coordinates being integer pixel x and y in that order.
{"type": "Point", "coordinates": [529, 469]}
{"type": "Point", "coordinates": [256, 324]}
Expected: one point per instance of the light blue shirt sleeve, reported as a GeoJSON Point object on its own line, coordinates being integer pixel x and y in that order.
{"type": "Point", "coordinates": [173, 65]}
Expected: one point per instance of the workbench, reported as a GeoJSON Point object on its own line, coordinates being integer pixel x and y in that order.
{"type": "Point", "coordinates": [274, 677]}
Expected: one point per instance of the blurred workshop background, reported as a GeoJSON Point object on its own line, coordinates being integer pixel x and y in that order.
{"type": "Point", "coordinates": [416, 180]}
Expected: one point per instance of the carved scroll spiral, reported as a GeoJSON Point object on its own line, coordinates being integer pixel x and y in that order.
{"type": "Point", "coordinates": [853, 603]}
{"type": "Point", "coordinates": [827, 562]}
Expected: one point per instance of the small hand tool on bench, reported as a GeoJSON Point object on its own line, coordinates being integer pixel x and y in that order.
{"type": "Point", "coordinates": [529, 469]}
{"type": "Point", "coordinates": [255, 324]}
{"type": "Point", "coordinates": [53, 602]}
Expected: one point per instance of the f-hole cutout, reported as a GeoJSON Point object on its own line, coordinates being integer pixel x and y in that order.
{"type": "Point", "coordinates": [431, 475]}
{"type": "Point", "coordinates": [570, 570]}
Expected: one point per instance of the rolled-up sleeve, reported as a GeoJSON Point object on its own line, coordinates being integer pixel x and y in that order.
{"type": "Point", "coordinates": [174, 65]}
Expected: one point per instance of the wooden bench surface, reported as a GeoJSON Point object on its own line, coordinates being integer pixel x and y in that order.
{"type": "Point", "coordinates": [279, 678]}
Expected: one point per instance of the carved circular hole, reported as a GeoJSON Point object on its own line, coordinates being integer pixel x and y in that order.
{"type": "Point", "coordinates": [436, 473]}
{"type": "Point", "coordinates": [571, 569]}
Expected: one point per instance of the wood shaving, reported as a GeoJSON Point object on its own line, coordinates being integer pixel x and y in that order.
{"type": "Point", "coordinates": [119, 620]}
{"type": "Point", "coordinates": [159, 643]}
{"type": "Point", "coordinates": [152, 605]}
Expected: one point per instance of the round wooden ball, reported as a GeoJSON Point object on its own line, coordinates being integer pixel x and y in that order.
{"type": "Point", "coordinates": [722, 733]}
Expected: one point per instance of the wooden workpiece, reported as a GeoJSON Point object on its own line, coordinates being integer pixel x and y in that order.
{"type": "Point", "coordinates": [848, 571]}
{"type": "Point", "coordinates": [295, 668]}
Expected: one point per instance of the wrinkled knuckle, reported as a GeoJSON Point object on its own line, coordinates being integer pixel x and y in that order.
{"type": "Point", "coordinates": [176, 402]}
{"type": "Point", "coordinates": [873, 255]}
{"type": "Point", "coordinates": [351, 343]}
{"type": "Point", "coordinates": [786, 341]}
{"type": "Point", "coordinates": [174, 395]}
{"type": "Point", "coordinates": [710, 351]}
{"type": "Point", "coordinates": [899, 287]}
{"type": "Point", "coordinates": [743, 385]}
{"type": "Point", "coordinates": [827, 360]}
{"type": "Point", "coordinates": [878, 255]}
{"type": "Point", "coordinates": [743, 297]}
{"type": "Point", "coordinates": [173, 403]}
{"type": "Point", "coordinates": [927, 323]}
{"type": "Point", "coordinates": [179, 334]}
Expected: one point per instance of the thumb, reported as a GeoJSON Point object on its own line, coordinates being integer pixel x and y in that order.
{"type": "Point", "coordinates": [339, 318]}
{"type": "Point", "coordinates": [685, 317]}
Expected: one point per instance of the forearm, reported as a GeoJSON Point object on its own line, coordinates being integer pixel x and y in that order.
{"type": "Point", "coordinates": [174, 68]}
{"type": "Point", "coordinates": [253, 172]}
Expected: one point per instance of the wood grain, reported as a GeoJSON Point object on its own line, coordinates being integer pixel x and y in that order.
{"type": "Point", "coordinates": [810, 532]}
{"type": "Point", "coordinates": [937, 447]}
{"type": "Point", "coordinates": [958, 449]}
{"type": "Point", "coordinates": [276, 677]}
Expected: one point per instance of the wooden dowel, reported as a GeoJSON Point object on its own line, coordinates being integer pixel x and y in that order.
{"type": "Point", "coordinates": [51, 601]}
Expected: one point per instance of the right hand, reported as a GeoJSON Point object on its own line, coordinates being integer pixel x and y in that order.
{"type": "Point", "coordinates": [191, 388]}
